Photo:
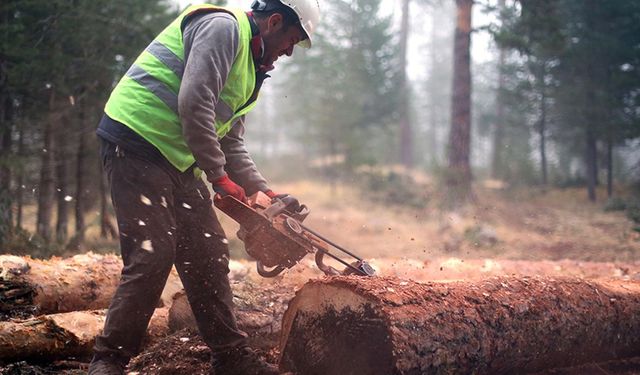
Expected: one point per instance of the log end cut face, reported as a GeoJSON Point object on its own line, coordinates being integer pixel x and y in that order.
{"type": "Point", "coordinates": [329, 330]}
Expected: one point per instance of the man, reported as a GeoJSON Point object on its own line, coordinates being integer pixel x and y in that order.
{"type": "Point", "coordinates": [177, 112]}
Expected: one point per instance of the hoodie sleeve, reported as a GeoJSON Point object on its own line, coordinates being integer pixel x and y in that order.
{"type": "Point", "coordinates": [211, 45]}
{"type": "Point", "coordinates": [240, 166]}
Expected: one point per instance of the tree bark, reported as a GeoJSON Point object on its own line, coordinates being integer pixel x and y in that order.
{"type": "Point", "coordinates": [542, 129]}
{"type": "Point", "coordinates": [259, 307]}
{"type": "Point", "coordinates": [83, 282]}
{"type": "Point", "coordinates": [459, 179]}
{"type": "Point", "coordinates": [6, 132]}
{"type": "Point", "coordinates": [591, 159]}
{"type": "Point", "coordinates": [20, 178]}
{"type": "Point", "coordinates": [354, 325]}
{"type": "Point", "coordinates": [62, 185]}
{"type": "Point", "coordinates": [78, 238]}
{"type": "Point", "coordinates": [542, 121]}
{"type": "Point", "coordinates": [499, 124]}
{"type": "Point", "coordinates": [406, 133]}
{"type": "Point", "coordinates": [59, 336]}
{"type": "Point", "coordinates": [609, 167]}
{"type": "Point", "coordinates": [46, 188]}
{"type": "Point", "coordinates": [107, 229]}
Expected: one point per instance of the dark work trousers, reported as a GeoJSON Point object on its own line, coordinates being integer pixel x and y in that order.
{"type": "Point", "coordinates": [164, 217]}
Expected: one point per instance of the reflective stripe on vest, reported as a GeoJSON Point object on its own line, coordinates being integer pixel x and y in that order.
{"type": "Point", "coordinates": [168, 58]}
{"type": "Point", "coordinates": [146, 98]}
{"type": "Point", "coordinates": [155, 86]}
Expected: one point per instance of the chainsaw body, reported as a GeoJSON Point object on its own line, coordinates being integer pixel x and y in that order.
{"type": "Point", "coordinates": [276, 237]}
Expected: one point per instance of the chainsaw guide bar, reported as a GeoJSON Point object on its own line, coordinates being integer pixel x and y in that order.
{"type": "Point", "coordinates": [277, 239]}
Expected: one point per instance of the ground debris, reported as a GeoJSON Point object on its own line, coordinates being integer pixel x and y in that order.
{"type": "Point", "coordinates": [174, 355]}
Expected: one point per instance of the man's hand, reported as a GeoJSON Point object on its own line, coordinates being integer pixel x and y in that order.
{"type": "Point", "coordinates": [224, 186]}
{"type": "Point", "coordinates": [291, 203]}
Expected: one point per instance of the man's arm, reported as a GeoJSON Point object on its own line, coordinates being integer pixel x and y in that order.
{"type": "Point", "coordinates": [211, 44]}
{"type": "Point", "coordinates": [240, 166]}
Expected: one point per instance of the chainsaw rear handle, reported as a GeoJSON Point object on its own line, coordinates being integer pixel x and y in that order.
{"type": "Point", "coordinates": [302, 213]}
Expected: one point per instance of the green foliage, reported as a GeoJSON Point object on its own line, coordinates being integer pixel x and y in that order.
{"type": "Point", "coordinates": [351, 72]}
{"type": "Point", "coordinates": [22, 242]}
{"type": "Point", "coordinates": [633, 211]}
{"type": "Point", "coordinates": [59, 60]}
{"type": "Point", "coordinates": [631, 206]}
{"type": "Point", "coordinates": [581, 65]}
{"type": "Point", "coordinates": [615, 204]}
{"type": "Point", "coordinates": [392, 188]}
{"type": "Point", "coordinates": [72, 47]}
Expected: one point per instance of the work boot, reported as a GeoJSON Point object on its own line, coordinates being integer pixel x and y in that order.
{"type": "Point", "coordinates": [106, 366]}
{"type": "Point", "coordinates": [242, 361]}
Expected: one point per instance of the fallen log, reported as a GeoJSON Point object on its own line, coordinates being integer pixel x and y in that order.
{"type": "Point", "coordinates": [59, 336]}
{"type": "Point", "coordinates": [30, 286]}
{"type": "Point", "coordinates": [259, 307]}
{"type": "Point", "coordinates": [352, 325]}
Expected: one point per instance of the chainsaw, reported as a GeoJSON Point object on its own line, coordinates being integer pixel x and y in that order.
{"type": "Point", "coordinates": [276, 238]}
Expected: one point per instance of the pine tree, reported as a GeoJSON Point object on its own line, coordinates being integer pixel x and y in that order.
{"type": "Point", "coordinates": [459, 174]}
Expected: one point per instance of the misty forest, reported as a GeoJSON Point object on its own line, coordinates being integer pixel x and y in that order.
{"type": "Point", "coordinates": [482, 155]}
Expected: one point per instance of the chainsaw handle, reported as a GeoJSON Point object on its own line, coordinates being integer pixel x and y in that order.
{"type": "Point", "coordinates": [216, 197]}
{"type": "Point", "coordinates": [262, 271]}
{"type": "Point", "coordinates": [328, 270]}
{"type": "Point", "coordinates": [302, 213]}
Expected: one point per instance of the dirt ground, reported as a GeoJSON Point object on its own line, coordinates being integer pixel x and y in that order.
{"type": "Point", "coordinates": [526, 224]}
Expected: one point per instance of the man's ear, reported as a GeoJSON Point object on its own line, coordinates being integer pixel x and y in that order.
{"type": "Point", "coordinates": [275, 22]}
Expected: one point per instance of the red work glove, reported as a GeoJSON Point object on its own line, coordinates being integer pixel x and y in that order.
{"type": "Point", "coordinates": [291, 203]}
{"type": "Point", "coordinates": [224, 186]}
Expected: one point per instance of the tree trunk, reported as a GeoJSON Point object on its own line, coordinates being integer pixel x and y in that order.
{"type": "Point", "coordinates": [59, 336]}
{"type": "Point", "coordinates": [609, 167]}
{"type": "Point", "coordinates": [542, 128]}
{"type": "Point", "coordinates": [434, 95]}
{"type": "Point", "coordinates": [459, 179]}
{"type": "Point", "coordinates": [20, 178]}
{"type": "Point", "coordinates": [107, 229]}
{"type": "Point", "coordinates": [499, 124]}
{"type": "Point", "coordinates": [62, 185]}
{"type": "Point", "coordinates": [591, 163]}
{"type": "Point", "coordinates": [354, 325]}
{"type": "Point", "coordinates": [406, 133]}
{"type": "Point", "coordinates": [78, 239]}
{"type": "Point", "coordinates": [6, 130]}
{"type": "Point", "coordinates": [46, 189]}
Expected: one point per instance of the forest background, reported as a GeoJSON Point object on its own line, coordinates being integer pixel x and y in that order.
{"type": "Point", "coordinates": [388, 102]}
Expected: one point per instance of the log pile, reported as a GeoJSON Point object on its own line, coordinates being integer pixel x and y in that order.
{"type": "Point", "coordinates": [351, 325]}
{"type": "Point", "coordinates": [342, 325]}
{"type": "Point", "coordinates": [53, 309]}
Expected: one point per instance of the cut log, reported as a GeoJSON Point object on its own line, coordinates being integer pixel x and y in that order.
{"type": "Point", "coordinates": [352, 325]}
{"type": "Point", "coordinates": [30, 286]}
{"type": "Point", "coordinates": [259, 307]}
{"type": "Point", "coordinates": [58, 336]}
